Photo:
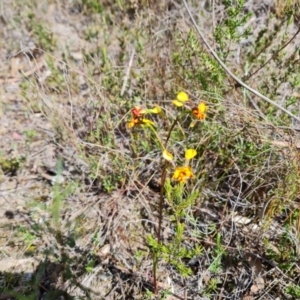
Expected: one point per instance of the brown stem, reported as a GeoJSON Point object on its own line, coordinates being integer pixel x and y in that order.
{"type": "Point", "coordinates": [160, 212]}
{"type": "Point", "coordinates": [170, 131]}
{"type": "Point", "coordinates": [155, 260]}
{"type": "Point", "coordinates": [161, 201]}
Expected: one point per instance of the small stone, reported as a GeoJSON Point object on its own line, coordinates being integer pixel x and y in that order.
{"type": "Point", "coordinates": [104, 250]}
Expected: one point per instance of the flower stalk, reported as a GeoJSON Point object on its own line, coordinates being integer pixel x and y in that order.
{"type": "Point", "coordinates": [181, 173]}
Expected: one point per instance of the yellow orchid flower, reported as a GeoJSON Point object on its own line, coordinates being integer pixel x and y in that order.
{"type": "Point", "coordinates": [181, 174]}
{"type": "Point", "coordinates": [138, 114]}
{"type": "Point", "coordinates": [139, 121]}
{"type": "Point", "coordinates": [181, 98]}
{"type": "Point", "coordinates": [199, 111]}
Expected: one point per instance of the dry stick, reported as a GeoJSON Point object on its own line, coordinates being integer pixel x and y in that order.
{"type": "Point", "coordinates": [230, 73]}
{"type": "Point", "coordinates": [256, 107]}
{"type": "Point", "coordinates": [39, 64]}
{"type": "Point", "coordinates": [126, 77]}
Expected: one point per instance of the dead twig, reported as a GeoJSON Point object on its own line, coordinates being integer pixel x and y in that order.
{"type": "Point", "coordinates": [39, 64]}
{"type": "Point", "coordinates": [127, 73]}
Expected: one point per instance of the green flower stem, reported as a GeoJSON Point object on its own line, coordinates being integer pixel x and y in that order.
{"type": "Point", "coordinates": [156, 135]}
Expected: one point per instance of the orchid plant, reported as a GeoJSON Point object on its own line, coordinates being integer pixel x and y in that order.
{"type": "Point", "coordinates": [181, 173]}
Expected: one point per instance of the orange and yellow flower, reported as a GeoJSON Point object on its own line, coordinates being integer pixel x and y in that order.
{"type": "Point", "coordinates": [182, 174]}
{"type": "Point", "coordinates": [137, 112]}
{"type": "Point", "coordinates": [138, 116]}
{"type": "Point", "coordinates": [139, 121]}
{"type": "Point", "coordinates": [133, 122]}
{"type": "Point", "coordinates": [199, 112]}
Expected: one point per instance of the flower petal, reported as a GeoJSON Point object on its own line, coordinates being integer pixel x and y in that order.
{"type": "Point", "coordinates": [197, 113]}
{"type": "Point", "coordinates": [177, 103]}
{"type": "Point", "coordinates": [202, 107]}
{"type": "Point", "coordinates": [193, 124]}
{"type": "Point", "coordinates": [189, 172]}
{"type": "Point", "coordinates": [167, 155]}
{"type": "Point", "coordinates": [181, 174]}
{"type": "Point", "coordinates": [137, 111]}
{"type": "Point", "coordinates": [182, 96]}
{"type": "Point", "coordinates": [155, 110]}
{"type": "Point", "coordinates": [131, 123]}
{"type": "Point", "coordinates": [190, 153]}
{"type": "Point", "coordinates": [176, 173]}
{"type": "Point", "coordinates": [145, 121]}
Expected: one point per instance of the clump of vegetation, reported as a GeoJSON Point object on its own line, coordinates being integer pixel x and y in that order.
{"type": "Point", "coordinates": [9, 166]}
{"type": "Point", "coordinates": [161, 174]}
